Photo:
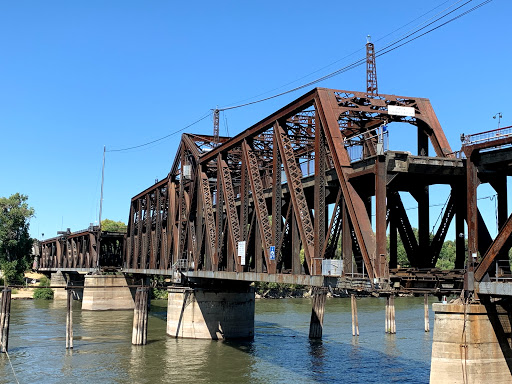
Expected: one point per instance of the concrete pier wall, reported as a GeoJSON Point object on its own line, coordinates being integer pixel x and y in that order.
{"type": "Point", "coordinates": [106, 292]}
{"type": "Point", "coordinates": [59, 279]}
{"type": "Point", "coordinates": [471, 344]}
{"type": "Point", "coordinates": [210, 314]}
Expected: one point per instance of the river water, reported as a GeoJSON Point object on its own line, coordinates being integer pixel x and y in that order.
{"type": "Point", "coordinates": [280, 352]}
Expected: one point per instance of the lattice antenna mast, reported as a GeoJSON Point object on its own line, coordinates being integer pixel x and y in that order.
{"type": "Point", "coordinates": [371, 69]}
{"type": "Point", "coordinates": [216, 125]}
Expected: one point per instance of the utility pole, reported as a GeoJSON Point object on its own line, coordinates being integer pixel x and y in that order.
{"type": "Point", "coordinates": [216, 125]}
{"type": "Point", "coordinates": [98, 239]}
{"type": "Point", "coordinates": [371, 69]}
{"type": "Point", "coordinates": [102, 180]}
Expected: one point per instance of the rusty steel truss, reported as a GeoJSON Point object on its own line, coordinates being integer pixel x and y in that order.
{"type": "Point", "coordinates": [82, 250]}
{"type": "Point", "coordinates": [287, 196]}
{"type": "Point", "coordinates": [288, 189]}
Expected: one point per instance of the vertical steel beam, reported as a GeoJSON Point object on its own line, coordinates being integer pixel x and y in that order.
{"type": "Point", "coordinates": [380, 217]}
{"type": "Point", "coordinates": [346, 240]}
{"type": "Point", "coordinates": [219, 217]}
{"type": "Point", "coordinates": [320, 206]}
{"type": "Point", "coordinates": [421, 195]}
{"type": "Point", "coordinates": [472, 220]}
{"type": "Point", "coordinates": [393, 244]}
{"type": "Point", "coordinates": [276, 195]}
{"type": "Point", "coordinates": [334, 229]}
{"type": "Point", "coordinates": [171, 224]}
{"type": "Point", "coordinates": [460, 228]}
{"type": "Point", "coordinates": [296, 264]}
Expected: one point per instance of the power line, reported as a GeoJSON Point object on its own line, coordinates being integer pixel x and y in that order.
{"type": "Point", "coordinates": [346, 68]}
{"type": "Point", "coordinates": [379, 53]}
{"type": "Point", "coordinates": [161, 138]}
{"type": "Point", "coordinates": [357, 50]}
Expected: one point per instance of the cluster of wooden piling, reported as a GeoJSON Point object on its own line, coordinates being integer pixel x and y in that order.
{"type": "Point", "coordinates": [317, 313]}
{"type": "Point", "coordinates": [390, 314]}
{"type": "Point", "coordinates": [140, 317]}
{"type": "Point", "coordinates": [5, 314]}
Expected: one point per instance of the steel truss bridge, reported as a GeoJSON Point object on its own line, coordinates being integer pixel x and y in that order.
{"type": "Point", "coordinates": [275, 202]}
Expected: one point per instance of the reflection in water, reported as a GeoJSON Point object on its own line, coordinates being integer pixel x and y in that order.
{"type": "Point", "coordinates": [280, 351]}
{"type": "Point", "coordinates": [317, 353]}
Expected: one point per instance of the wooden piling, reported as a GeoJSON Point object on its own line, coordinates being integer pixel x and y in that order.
{"type": "Point", "coordinates": [386, 321]}
{"type": "Point", "coordinates": [69, 320]}
{"type": "Point", "coordinates": [427, 323]}
{"type": "Point", "coordinates": [5, 315]}
{"type": "Point", "coordinates": [317, 313]}
{"type": "Point", "coordinates": [355, 321]}
{"type": "Point", "coordinates": [392, 314]}
{"type": "Point", "coordinates": [140, 317]}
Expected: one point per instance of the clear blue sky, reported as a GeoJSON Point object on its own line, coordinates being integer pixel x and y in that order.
{"type": "Point", "coordinates": [75, 76]}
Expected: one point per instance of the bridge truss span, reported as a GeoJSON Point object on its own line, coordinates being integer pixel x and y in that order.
{"type": "Point", "coordinates": [279, 197]}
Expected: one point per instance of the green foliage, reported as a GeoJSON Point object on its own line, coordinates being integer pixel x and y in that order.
{"type": "Point", "coordinates": [11, 273]}
{"type": "Point", "coordinates": [113, 226]}
{"type": "Point", "coordinates": [262, 287]}
{"type": "Point", "coordinates": [159, 294]}
{"type": "Point", "coordinates": [447, 256]}
{"type": "Point", "coordinates": [15, 242]}
{"type": "Point", "coordinates": [43, 293]}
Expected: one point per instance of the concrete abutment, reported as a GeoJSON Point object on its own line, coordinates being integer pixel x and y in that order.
{"type": "Point", "coordinates": [471, 344]}
{"type": "Point", "coordinates": [223, 312]}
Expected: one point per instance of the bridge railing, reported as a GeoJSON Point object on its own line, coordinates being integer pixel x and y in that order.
{"type": "Point", "coordinates": [503, 273]}
{"type": "Point", "coordinates": [487, 136]}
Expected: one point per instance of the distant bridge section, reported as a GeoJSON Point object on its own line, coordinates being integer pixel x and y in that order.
{"type": "Point", "coordinates": [86, 251]}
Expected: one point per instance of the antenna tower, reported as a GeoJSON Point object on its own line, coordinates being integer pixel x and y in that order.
{"type": "Point", "coordinates": [371, 69]}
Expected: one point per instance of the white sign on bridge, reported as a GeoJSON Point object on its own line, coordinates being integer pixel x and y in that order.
{"type": "Point", "coordinates": [241, 252]}
{"type": "Point", "coordinates": [401, 111]}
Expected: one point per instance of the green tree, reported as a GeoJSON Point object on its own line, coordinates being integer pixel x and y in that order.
{"type": "Point", "coordinates": [15, 242]}
{"type": "Point", "coordinates": [113, 226]}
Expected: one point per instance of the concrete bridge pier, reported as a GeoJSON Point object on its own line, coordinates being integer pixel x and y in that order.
{"type": "Point", "coordinates": [59, 279]}
{"type": "Point", "coordinates": [215, 310]}
{"type": "Point", "coordinates": [62, 279]}
{"type": "Point", "coordinates": [471, 343]}
{"type": "Point", "coordinates": [107, 293]}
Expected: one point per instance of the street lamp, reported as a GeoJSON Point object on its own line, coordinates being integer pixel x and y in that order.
{"type": "Point", "coordinates": [499, 116]}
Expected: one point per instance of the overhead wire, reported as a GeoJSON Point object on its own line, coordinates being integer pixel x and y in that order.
{"type": "Point", "coordinates": [389, 48]}
{"type": "Point", "coordinates": [161, 138]}
{"type": "Point", "coordinates": [356, 51]}
{"type": "Point", "coordinates": [378, 53]}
